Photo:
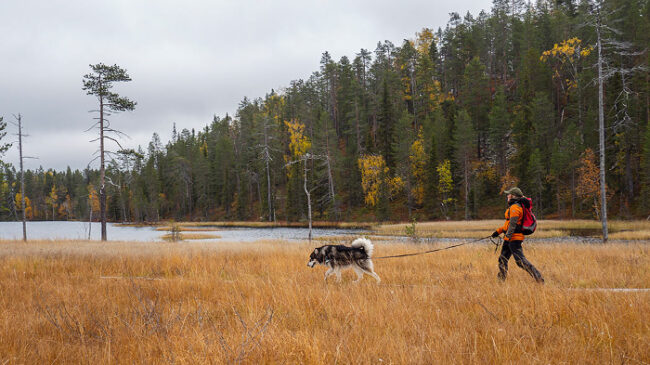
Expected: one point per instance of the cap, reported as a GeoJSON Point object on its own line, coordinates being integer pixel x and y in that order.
{"type": "Point", "coordinates": [514, 191]}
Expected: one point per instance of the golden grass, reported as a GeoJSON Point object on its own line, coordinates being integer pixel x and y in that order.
{"type": "Point", "coordinates": [187, 229]}
{"type": "Point", "coordinates": [191, 236]}
{"type": "Point", "coordinates": [346, 239]}
{"type": "Point", "coordinates": [618, 230]}
{"type": "Point", "coordinates": [642, 235]}
{"type": "Point", "coordinates": [139, 302]}
{"type": "Point", "coordinates": [624, 230]}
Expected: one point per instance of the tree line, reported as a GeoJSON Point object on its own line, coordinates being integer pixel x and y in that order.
{"type": "Point", "coordinates": [432, 128]}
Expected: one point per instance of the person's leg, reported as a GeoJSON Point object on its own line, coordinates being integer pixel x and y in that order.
{"type": "Point", "coordinates": [503, 260]}
{"type": "Point", "coordinates": [522, 262]}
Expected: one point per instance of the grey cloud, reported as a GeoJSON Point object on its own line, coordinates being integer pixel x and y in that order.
{"type": "Point", "coordinates": [189, 60]}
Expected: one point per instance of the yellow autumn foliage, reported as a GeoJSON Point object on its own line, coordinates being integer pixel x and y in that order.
{"type": "Point", "coordinates": [395, 184]}
{"type": "Point", "coordinates": [445, 181]}
{"type": "Point", "coordinates": [93, 198]}
{"type": "Point", "coordinates": [299, 143]}
{"type": "Point", "coordinates": [423, 41]}
{"type": "Point", "coordinates": [274, 106]}
{"type": "Point", "coordinates": [29, 212]}
{"type": "Point", "coordinates": [570, 49]}
{"type": "Point", "coordinates": [52, 198]}
{"type": "Point", "coordinates": [568, 52]}
{"type": "Point", "coordinates": [374, 173]}
{"type": "Point", "coordinates": [588, 176]}
{"type": "Point", "coordinates": [371, 167]}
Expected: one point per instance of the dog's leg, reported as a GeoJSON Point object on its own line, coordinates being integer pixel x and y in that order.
{"type": "Point", "coordinates": [369, 269]}
{"type": "Point", "coordinates": [372, 273]}
{"type": "Point", "coordinates": [328, 273]}
{"type": "Point", "coordinates": [359, 272]}
{"type": "Point", "coordinates": [337, 271]}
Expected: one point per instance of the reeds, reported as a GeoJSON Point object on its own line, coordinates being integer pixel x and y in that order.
{"type": "Point", "coordinates": [619, 230]}
{"type": "Point", "coordinates": [189, 236]}
{"type": "Point", "coordinates": [127, 302]}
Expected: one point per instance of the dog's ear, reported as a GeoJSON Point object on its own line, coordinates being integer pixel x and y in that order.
{"type": "Point", "coordinates": [315, 250]}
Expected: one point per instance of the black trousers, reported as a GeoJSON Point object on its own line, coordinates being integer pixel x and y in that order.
{"type": "Point", "coordinates": [513, 248]}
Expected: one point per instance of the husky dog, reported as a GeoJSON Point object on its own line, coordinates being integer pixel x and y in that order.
{"type": "Point", "coordinates": [357, 256]}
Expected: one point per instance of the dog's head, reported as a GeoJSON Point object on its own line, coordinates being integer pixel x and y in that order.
{"type": "Point", "coordinates": [316, 257]}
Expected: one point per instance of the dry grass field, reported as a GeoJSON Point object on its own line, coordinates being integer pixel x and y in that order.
{"type": "Point", "coordinates": [187, 303]}
{"type": "Point", "coordinates": [618, 230]}
{"type": "Point", "coordinates": [190, 236]}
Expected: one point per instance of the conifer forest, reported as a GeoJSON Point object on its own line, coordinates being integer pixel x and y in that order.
{"type": "Point", "coordinates": [431, 128]}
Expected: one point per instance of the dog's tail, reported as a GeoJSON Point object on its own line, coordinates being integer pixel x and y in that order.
{"type": "Point", "coordinates": [365, 243]}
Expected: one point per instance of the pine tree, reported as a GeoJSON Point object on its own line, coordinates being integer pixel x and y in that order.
{"type": "Point", "coordinates": [99, 83]}
{"type": "Point", "coordinates": [475, 98]}
{"type": "Point", "coordinates": [3, 146]}
{"type": "Point", "coordinates": [465, 139]}
{"type": "Point", "coordinates": [499, 130]}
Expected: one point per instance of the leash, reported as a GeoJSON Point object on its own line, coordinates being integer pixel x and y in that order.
{"type": "Point", "coordinates": [435, 250]}
{"type": "Point", "coordinates": [496, 243]}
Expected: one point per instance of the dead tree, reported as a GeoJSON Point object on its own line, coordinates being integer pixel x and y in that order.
{"type": "Point", "coordinates": [605, 41]}
{"type": "Point", "coordinates": [99, 83]}
{"type": "Point", "coordinates": [19, 124]}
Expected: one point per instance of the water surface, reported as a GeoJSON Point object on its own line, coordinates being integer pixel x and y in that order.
{"type": "Point", "coordinates": [59, 230]}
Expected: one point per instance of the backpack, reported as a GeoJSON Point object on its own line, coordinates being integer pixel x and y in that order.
{"type": "Point", "coordinates": [529, 222]}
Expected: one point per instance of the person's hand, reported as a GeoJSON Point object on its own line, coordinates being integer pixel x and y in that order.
{"type": "Point", "coordinates": [495, 234]}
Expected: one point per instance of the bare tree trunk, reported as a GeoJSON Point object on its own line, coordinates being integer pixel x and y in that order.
{"type": "Point", "coordinates": [267, 158]}
{"type": "Point", "coordinates": [601, 131]}
{"type": "Point", "coordinates": [102, 172]}
{"type": "Point", "coordinates": [268, 191]}
{"type": "Point", "coordinates": [259, 192]}
{"type": "Point", "coordinates": [308, 198]}
{"type": "Point", "coordinates": [22, 175]}
{"type": "Point", "coordinates": [90, 217]}
{"type": "Point", "coordinates": [330, 178]}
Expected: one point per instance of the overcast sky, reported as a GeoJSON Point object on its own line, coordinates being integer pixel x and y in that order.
{"type": "Point", "coordinates": [189, 60]}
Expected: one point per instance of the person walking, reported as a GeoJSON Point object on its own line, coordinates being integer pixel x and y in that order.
{"type": "Point", "coordinates": [514, 237]}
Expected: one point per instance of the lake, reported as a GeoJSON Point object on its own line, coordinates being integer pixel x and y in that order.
{"type": "Point", "coordinates": [61, 230]}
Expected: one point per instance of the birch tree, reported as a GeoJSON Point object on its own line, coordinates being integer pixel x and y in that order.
{"type": "Point", "coordinates": [299, 147]}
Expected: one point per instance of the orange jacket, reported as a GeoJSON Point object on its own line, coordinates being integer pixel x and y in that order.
{"type": "Point", "coordinates": [513, 212]}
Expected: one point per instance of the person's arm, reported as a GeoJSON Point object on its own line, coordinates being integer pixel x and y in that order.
{"type": "Point", "coordinates": [504, 228]}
